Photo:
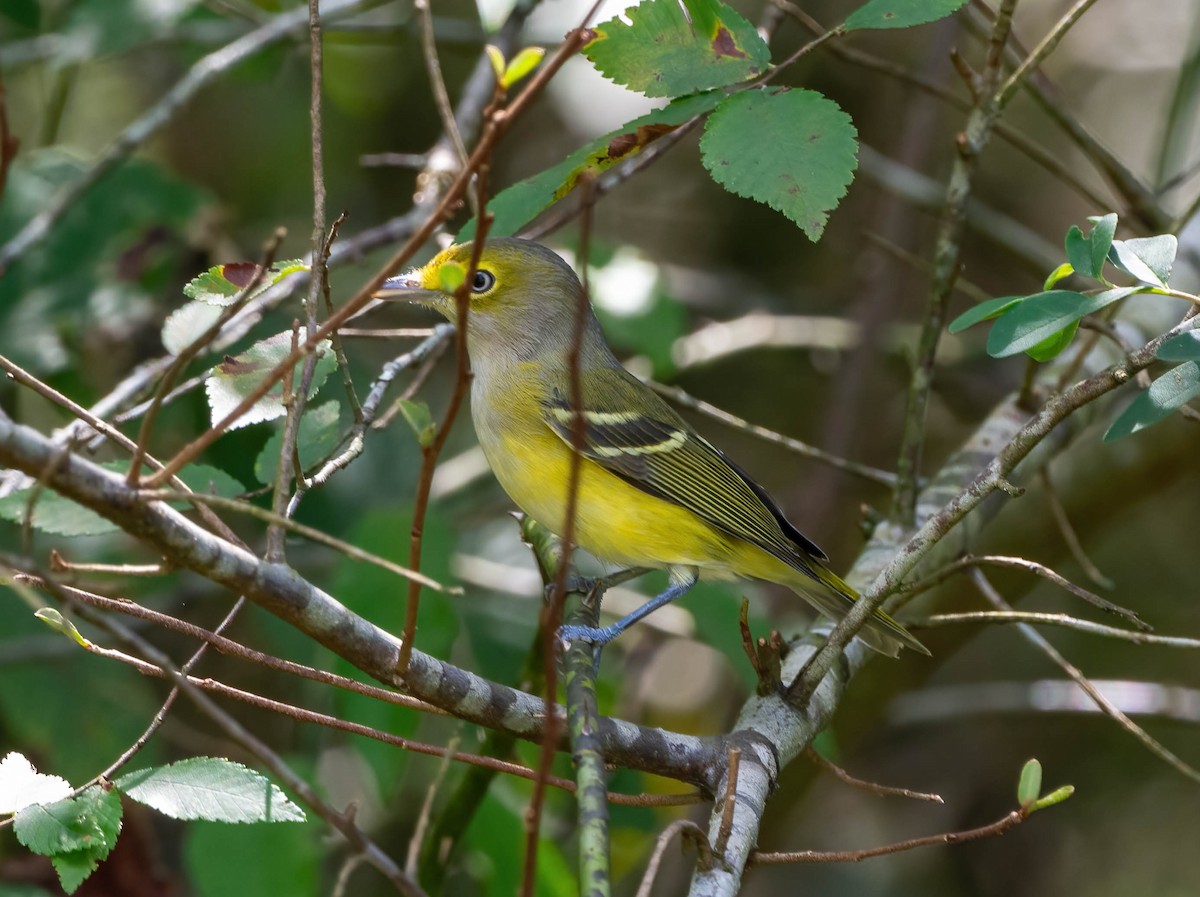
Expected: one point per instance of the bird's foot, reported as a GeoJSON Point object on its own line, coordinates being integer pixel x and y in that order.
{"type": "Point", "coordinates": [593, 635]}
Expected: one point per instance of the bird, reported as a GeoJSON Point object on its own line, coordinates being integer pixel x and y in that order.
{"type": "Point", "coordinates": [651, 491]}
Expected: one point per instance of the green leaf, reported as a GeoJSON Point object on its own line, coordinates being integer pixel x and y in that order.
{"type": "Point", "coordinates": [899, 13]}
{"type": "Point", "coordinates": [221, 284]}
{"type": "Point", "coordinates": [1100, 239]}
{"type": "Point", "coordinates": [56, 621]}
{"type": "Point", "coordinates": [794, 150]}
{"type": "Point", "coordinates": [1149, 259]}
{"type": "Point", "coordinates": [186, 323]}
{"type": "Point", "coordinates": [74, 866]}
{"type": "Point", "coordinates": [1030, 784]}
{"type": "Point", "coordinates": [21, 785]}
{"type": "Point", "coordinates": [1079, 252]}
{"type": "Point", "coordinates": [1042, 315]}
{"type": "Point", "coordinates": [1057, 796]}
{"type": "Point", "coordinates": [1165, 396]}
{"type": "Point", "coordinates": [420, 419]}
{"type": "Point", "coordinates": [317, 437]}
{"type": "Point", "coordinates": [208, 480]}
{"type": "Point", "coordinates": [522, 64]}
{"type": "Point", "coordinates": [516, 206]}
{"type": "Point", "coordinates": [1181, 347]}
{"type": "Point", "coordinates": [238, 376]}
{"type": "Point", "coordinates": [1050, 348]}
{"type": "Point", "coordinates": [210, 788]}
{"type": "Point", "coordinates": [1063, 271]}
{"type": "Point", "coordinates": [54, 514]}
{"type": "Point", "coordinates": [76, 833]}
{"type": "Point", "coordinates": [497, 60]}
{"type": "Point", "coordinates": [984, 311]}
{"type": "Point", "coordinates": [668, 49]}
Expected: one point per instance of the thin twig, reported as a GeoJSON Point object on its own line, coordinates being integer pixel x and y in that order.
{"type": "Point", "coordinates": [1063, 521]}
{"type": "Point", "coordinates": [947, 255]}
{"type": "Point", "coordinates": [161, 113]}
{"type": "Point", "coordinates": [999, 827]}
{"type": "Point", "coordinates": [366, 293]}
{"type": "Point", "coordinates": [1064, 620]}
{"type": "Point", "coordinates": [688, 831]}
{"type": "Point", "coordinates": [679, 397]}
{"type": "Point", "coordinates": [1019, 563]}
{"type": "Point", "coordinates": [870, 787]}
{"type": "Point", "coordinates": [733, 763]}
{"type": "Point", "coordinates": [987, 481]}
{"type": "Point", "coordinates": [1035, 638]}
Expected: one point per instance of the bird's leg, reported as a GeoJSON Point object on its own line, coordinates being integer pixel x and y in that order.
{"type": "Point", "coordinates": [682, 579]}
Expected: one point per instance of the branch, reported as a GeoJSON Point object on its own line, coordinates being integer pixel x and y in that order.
{"type": "Point", "coordinates": [285, 593]}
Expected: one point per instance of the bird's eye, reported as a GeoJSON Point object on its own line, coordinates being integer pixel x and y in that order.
{"type": "Point", "coordinates": [484, 281]}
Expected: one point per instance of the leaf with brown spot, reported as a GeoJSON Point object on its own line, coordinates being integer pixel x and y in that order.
{"type": "Point", "coordinates": [516, 206]}
{"type": "Point", "coordinates": [663, 51]}
{"type": "Point", "coordinates": [899, 13]}
{"type": "Point", "coordinates": [794, 150]}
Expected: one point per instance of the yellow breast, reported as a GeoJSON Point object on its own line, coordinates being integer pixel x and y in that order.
{"type": "Point", "coordinates": [614, 520]}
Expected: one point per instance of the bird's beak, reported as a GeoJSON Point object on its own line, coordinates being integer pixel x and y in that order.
{"type": "Point", "coordinates": [404, 287]}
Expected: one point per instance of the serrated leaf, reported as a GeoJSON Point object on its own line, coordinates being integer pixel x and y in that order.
{"type": "Point", "coordinates": [21, 785]}
{"type": "Point", "coordinates": [1042, 315]}
{"type": "Point", "coordinates": [221, 284]}
{"type": "Point", "coordinates": [794, 150]}
{"type": "Point", "coordinates": [899, 13]}
{"type": "Point", "coordinates": [1165, 396]}
{"type": "Point", "coordinates": [522, 64]}
{"type": "Point", "coordinates": [74, 866]}
{"type": "Point", "coordinates": [420, 419]}
{"type": "Point", "coordinates": [187, 322]}
{"type": "Point", "coordinates": [1148, 259]}
{"type": "Point", "coordinates": [520, 203]}
{"type": "Point", "coordinates": [984, 311]}
{"type": "Point", "coordinates": [668, 50]}
{"type": "Point", "coordinates": [1100, 239]}
{"type": "Point", "coordinates": [238, 376]}
{"type": "Point", "coordinates": [63, 517]}
{"type": "Point", "coordinates": [1030, 784]}
{"type": "Point", "coordinates": [1079, 252]}
{"type": "Point", "coordinates": [88, 822]}
{"type": "Point", "coordinates": [209, 480]}
{"type": "Point", "coordinates": [210, 788]}
{"type": "Point", "coordinates": [1181, 347]}
{"type": "Point", "coordinates": [54, 514]}
{"type": "Point", "coordinates": [56, 621]}
{"type": "Point", "coordinates": [317, 436]}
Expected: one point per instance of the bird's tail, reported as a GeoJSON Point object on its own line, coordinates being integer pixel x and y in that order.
{"type": "Point", "coordinates": [833, 597]}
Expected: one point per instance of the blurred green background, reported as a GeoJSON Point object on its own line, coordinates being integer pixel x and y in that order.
{"type": "Point", "coordinates": [706, 291]}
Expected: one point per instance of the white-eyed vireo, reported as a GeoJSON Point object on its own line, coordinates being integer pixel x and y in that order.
{"type": "Point", "coordinates": [651, 491]}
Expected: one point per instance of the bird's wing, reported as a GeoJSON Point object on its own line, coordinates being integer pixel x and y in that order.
{"type": "Point", "coordinates": [631, 432]}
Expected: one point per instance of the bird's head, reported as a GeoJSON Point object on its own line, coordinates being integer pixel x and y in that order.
{"type": "Point", "coordinates": [522, 295]}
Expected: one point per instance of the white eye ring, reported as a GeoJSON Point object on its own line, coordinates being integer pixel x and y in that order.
{"type": "Point", "coordinates": [484, 281]}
